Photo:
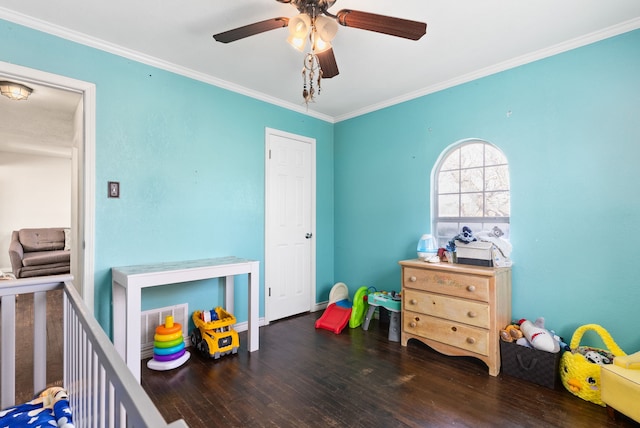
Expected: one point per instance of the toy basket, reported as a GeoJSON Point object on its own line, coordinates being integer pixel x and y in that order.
{"type": "Point", "coordinates": [580, 376]}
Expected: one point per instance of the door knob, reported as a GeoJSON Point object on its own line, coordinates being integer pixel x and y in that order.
{"type": "Point", "coordinates": [308, 235]}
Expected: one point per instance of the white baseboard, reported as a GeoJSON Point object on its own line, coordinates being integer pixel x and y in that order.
{"type": "Point", "coordinates": [320, 306]}
{"type": "Point", "coordinates": [244, 326]}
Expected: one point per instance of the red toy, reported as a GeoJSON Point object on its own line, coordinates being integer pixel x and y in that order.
{"type": "Point", "coordinates": [338, 313]}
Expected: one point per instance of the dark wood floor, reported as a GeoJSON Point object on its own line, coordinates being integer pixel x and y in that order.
{"type": "Point", "coordinates": [303, 377]}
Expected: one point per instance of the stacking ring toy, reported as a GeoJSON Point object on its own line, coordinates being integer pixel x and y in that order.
{"type": "Point", "coordinates": [168, 347]}
{"type": "Point", "coordinates": [161, 329]}
{"type": "Point", "coordinates": [169, 351]}
{"type": "Point", "coordinates": [169, 358]}
{"type": "Point", "coordinates": [168, 344]}
{"type": "Point", "coordinates": [167, 337]}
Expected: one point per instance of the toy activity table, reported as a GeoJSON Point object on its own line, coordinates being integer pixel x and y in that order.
{"type": "Point", "coordinates": [128, 282]}
{"type": "Point", "coordinates": [391, 304]}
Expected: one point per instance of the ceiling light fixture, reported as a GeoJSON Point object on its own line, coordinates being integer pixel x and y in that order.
{"type": "Point", "coordinates": [320, 31]}
{"type": "Point", "coordinates": [15, 91]}
{"type": "Point", "coordinates": [316, 24]}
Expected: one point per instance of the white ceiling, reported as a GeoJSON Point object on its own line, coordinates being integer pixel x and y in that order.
{"type": "Point", "coordinates": [465, 39]}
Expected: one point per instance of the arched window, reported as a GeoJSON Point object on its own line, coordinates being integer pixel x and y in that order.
{"type": "Point", "coordinates": [470, 188]}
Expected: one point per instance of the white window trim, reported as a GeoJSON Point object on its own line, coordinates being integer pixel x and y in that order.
{"type": "Point", "coordinates": [435, 219]}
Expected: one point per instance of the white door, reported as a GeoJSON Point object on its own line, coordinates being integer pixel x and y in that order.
{"type": "Point", "coordinates": [290, 224]}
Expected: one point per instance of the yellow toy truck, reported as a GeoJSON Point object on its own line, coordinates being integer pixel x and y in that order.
{"type": "Point", "coordinates": [213, 335]}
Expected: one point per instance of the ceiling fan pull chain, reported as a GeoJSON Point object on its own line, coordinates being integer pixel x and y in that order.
{"type": "Point", "coordinates": [311, 65]}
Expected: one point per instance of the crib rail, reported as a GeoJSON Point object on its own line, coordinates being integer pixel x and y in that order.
{"type": "Point", "coordinates": [102, 390]}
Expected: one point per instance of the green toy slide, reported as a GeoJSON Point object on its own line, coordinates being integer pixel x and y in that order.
{"type": "Point", "coordinates": [359, 307]}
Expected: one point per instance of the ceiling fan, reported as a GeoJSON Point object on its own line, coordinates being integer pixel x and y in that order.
{"type": "Point", "coordinates": [319, 26]}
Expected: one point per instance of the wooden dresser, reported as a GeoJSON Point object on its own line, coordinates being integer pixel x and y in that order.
{"type": "Point", "coordinates": [456, 309]}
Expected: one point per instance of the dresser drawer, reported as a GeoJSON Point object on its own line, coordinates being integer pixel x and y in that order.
{"type": "Point", "coordinates": [443, 282]}
{"type": "Point", "coordinates": [464, 311]}
{"type": "Point", "coordinates": [452, 333]}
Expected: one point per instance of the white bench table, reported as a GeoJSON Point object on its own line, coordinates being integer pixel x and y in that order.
{"type": "Point", "coordinates": [128, 282]}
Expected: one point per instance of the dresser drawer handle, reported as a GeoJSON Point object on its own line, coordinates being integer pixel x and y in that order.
{"type": "Point", "coordinates": [413, 279]}
{"type": "Point", "coordinates": [471, 288]}
{"type": "Point", "coordinates": [413, 302]}
{"type": "Point", "coordinates": [471, 340]}
{"type": "Point", "coordinates": [414, 323]}
{"type": "Point", "coordinates": [471, 314]}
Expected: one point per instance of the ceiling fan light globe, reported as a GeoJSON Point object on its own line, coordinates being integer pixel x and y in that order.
{"type": "Point", "coordinates": [299, 25]}
{"type": "Point", "coordinates": [321, 45]}
{"type": "Point", "coordinates": [326, 28]}
{"type": "Point", "coordinates": [297, 42]}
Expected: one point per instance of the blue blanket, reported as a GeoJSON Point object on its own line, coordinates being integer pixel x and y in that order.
{"type": "Point", "coordinates": [50, 409]}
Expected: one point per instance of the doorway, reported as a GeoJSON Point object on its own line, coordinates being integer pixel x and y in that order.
{"type": "Point", "coordinates": [82, 166]}
{"type": "Point", "coordinates": [290, 219]}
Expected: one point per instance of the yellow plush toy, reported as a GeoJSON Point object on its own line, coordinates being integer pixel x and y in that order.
{"type": "Point", "coordinates": [580, 376]}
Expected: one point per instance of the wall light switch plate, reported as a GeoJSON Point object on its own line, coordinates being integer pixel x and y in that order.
{"type": "Point", "coordinates": [114, 189]}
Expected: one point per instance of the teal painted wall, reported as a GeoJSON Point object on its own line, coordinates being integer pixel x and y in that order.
{"type": "Point", "coordinates": [569, 126]}
{"type": "Point", "coordinates": [190, 161]}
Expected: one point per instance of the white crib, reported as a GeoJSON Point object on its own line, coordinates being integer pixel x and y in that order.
{"type": "Point", "coordinates": [102, 390]}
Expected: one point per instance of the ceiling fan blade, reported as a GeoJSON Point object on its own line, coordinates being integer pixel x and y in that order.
{"type": "Point", "coordinates": [251, 29]}
{"type": "Point", "coordinates": [328, 64]}
{"type": "Point", "coordinates": [398, 27]}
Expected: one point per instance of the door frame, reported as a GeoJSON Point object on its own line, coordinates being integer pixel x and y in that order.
{"type": "Point", "coordinates": [267, 216]}
{"type": "Point", "coordinates": [83, 172]}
